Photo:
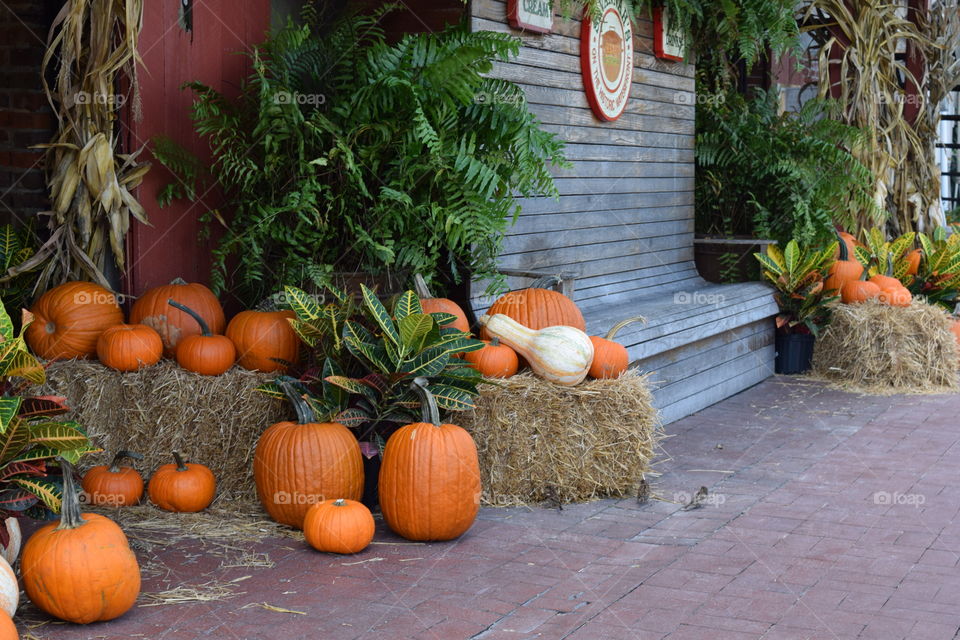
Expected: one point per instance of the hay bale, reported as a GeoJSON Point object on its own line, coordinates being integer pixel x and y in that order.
{"type": "Point", "coordinates": [876, 348]}
{"type": "Point", "coordinates": [213, 420]}
{"type": "Point", "coordinates": [539, 441]}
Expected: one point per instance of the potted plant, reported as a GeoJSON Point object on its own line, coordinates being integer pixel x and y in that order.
{"type": "Point", "coordinates": [798, 274]}
{"type": "Point", "coordinates": [398, 158]}
{"type": "Point", "coordinates": [364, 357]}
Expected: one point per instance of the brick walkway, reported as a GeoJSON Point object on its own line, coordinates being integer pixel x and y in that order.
{"type": "Point", "coordinates": [811, 529]}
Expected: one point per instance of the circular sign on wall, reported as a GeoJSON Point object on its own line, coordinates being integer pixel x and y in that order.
{"type": "Point", "coordinates": [606, 59]}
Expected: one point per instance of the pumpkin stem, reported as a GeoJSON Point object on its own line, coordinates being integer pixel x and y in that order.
{"type": "Point", "coordinates": [546, 282]}
{"type": "Point", "coordinates": [615, 329]}
{"type": "Point", "coordinates": [181, 465]}
{"type": "Point", "coordinates": [339, 502]}
{"type": "Point", "coordinates": [428, 403]}
{"type": "Point", "coordinates": [70, 515]}
{"type": "Point", "coordinates": [204, 327]}
{"type": "Point", "coordinates": [305, 413]}
{"type": "Point", "coordinates": [890, 264]}
{"type": "Point", "coordinates": [120, 455]}
{"type": "Point", "coordinates": [844, 254]}
{"type": "Point", "coordinates": [494, 341]}
{"type": "Point", "coordinates": [179, 281]}
{"type": "Point", "coordinates": [420, 286]}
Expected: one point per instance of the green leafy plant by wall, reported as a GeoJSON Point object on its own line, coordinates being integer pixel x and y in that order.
{"type": "Point", "coordinates": [345, 150]}
{"type": "Point", "coordinates": [776, 175]}
{"type": "Point", "coordinates": [17, 279]}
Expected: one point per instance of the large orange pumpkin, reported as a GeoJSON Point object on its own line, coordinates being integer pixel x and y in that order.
{"type": "Point", "coordinates": [297, 464]}
{"type": "Point", "coordinates": [265, 340]}
{"type": "Point", "coordinates": [339, 526]}
{"type": "Point", "coordinates": [440, 305]}
{"type": "Point", "coordinates": [80, 570]}
{"type": "Point", "coordinates": [429, 477]}
{"type": "Point", "coordinates": [129, 347]}
{"type": "Point", "coordinates": [173, 324]}
{"type": "Point", "coordinates": [68, 319]}
{"type": "Point", "coordinates": [537, 308]}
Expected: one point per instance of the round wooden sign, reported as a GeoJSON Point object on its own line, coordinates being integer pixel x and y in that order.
{"type": "Point", "coordinates": [606, 59]}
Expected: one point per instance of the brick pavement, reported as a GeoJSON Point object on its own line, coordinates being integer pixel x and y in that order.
{"type": "Point", "coordinates": [829, 515]}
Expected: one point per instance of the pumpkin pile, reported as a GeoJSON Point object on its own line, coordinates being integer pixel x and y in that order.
{"type": "Point", "coordinates": [182, 321]}
{"type": "Point", "coordinates": [851, 280]}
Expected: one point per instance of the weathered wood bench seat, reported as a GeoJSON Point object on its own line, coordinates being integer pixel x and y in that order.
{"type": "Point", "coordinates": [702, 342]}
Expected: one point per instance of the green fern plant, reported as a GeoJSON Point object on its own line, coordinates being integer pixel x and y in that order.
{"type": "Point", "coordinates": [400, 156]}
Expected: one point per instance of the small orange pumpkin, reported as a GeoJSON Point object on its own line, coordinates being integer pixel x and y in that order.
{"type": "Point", "coordinates": [896, 297]}
{"type": "Point", "coordinates": [114, 485]}
{"type": "Point", "coordinates": [129, 347]}
{"type": "Point", "coordinates": [495, 360]}
{"type": "Point", "coordinates": [440, 305]}
{"type": "Point", "coordinates": [265, 340]}
{"type": "Point", "coordinates": [173, 324]}
{"type": "Point", "coordinates": [430, 476]}
{"type": "Point", "coordinates": [844, 269]}
{"type": "Point", "coordinates": [182, 487]}
{"type": "Point", "coordinates": [8, 630]}
{"type": "Point", "coordinates": [206, 354]}
{"type": "Point", "coordinates": [856, 291]}
{"type": "Point", "coordinates": [339, 526]}
{"type": "Point", "coordinates": [80, 570]}
{"type": "Point", "coordinates": [610, 359]}
{"type": "Point", "coordinates": [68, 319]}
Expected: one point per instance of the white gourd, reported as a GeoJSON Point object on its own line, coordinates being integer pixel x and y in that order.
{"type": "Point", "coordinates": [558, 354]}
{"type": "Point", "coordinates": [12, 550]}
{"type": "Point", "coordinates": [9, 588]}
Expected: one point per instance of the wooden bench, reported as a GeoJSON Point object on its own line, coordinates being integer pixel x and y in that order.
{"type": "Point", "coordinates": [702, 342]}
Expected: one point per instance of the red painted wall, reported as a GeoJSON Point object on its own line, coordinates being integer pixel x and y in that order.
{"type": "Point", "coordinates": [171, 56]}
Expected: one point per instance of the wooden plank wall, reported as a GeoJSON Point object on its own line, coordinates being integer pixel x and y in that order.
{"type": "Point", "coordinates": [624, 222]}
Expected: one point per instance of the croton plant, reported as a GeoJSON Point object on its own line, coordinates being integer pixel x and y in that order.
{"type": "Point", "coordinates": [30, 439]}
{"type": "Point", "coordinates": [364, 357]}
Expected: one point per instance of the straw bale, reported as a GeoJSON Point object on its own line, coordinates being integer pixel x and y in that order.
{"type": "Point", "coordinates": [213, 420]}
{"type": "Point", "coordinates": [875, 348]}
{"type": "Point", "coordinates": [540, 441]}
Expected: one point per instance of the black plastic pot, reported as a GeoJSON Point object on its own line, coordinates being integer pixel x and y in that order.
{"type": "Point", "coordinates": [371, 477]}
{"type": "Point", "coordinates": [794, 353]}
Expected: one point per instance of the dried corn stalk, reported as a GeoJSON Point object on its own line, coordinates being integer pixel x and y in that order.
{"type": "Point", "coordinates": [92, 46]}
{"type": "Point", "coordinates": [901, 154]}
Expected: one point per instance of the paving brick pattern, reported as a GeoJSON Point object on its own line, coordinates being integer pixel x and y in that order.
{"type": "Point", "coordinates": [829, 515]}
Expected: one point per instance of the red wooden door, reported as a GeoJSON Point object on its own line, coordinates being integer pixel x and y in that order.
{"type": "Point", "coordinates": [171, 247]}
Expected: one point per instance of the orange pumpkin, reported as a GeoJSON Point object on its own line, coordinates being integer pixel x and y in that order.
{"type": "Point", "coordinates": [81, 569]}
{"type": "Point", "coordinates": [297, 464]}
{"type": "Point", "coordinates": [610, 359]}
{"type": "Point", "coordinates": [173, 324]}
{"type": "Point", "coordinates": [858, 291]}
{"type": "Point", "coordinates": [955, 328]}
{"type": "Point", "coordinates": [895, 297]}
{"type": "Point", "coordinates": [68, 320]}
{"type": "Point", "coordinates": [495, 360]}
{"type": "Point", "coordinates": [429, 477]}
{"type": "Point", "coordinates": [206, 354]}
{"type": "Point", "coordinates": [182, 487]}
{"type": "Point", "coordinates": [440, 305]}
{"type": "Point", "coordinates": [129, 347]}
{"type": "Point", "coordinates": [8, 630]}
{"type": "Point", "coordinates": [844, 269]}
{"type": "Point", "coordinates": [339, 526]}
{"type": "Point", "coordinates": [537, 308]}
{"type": "Point", "coordinates": [114, 485]}
{"type": "Point", "coordinates": [265, 340]}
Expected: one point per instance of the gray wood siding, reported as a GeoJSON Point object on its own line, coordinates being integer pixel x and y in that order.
{"type": "Point", "coordinates": [624, 221]}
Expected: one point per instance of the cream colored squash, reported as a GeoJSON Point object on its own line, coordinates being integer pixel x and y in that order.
{"type": "Point", "coordinates": [12, 550]}
{"type": "Point", "coordinates": [558, 354]}
{"type": "Point", "coordinates": [9, 589]}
